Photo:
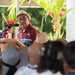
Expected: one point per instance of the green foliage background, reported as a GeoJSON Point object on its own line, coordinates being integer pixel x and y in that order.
{"type": "Point", "coordinates": [36, 18]}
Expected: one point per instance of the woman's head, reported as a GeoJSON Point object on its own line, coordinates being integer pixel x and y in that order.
{"type": "Point", "coordinates": [50, 59]}
{"type": "Point", "coordinates": [0, 66]}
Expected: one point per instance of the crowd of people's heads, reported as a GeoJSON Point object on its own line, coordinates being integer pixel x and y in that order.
{"type": "Point", "coordinates": [42, 55]}
{"type": "Point", "coordinates": [54, 54]}
{"type": "Point", "coordinates": [46, 54]}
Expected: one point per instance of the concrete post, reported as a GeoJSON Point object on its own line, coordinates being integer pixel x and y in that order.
{"type": "Point", "coordinates": [17, 10]}
{"type": "Point", "coordinates": [70, 21]}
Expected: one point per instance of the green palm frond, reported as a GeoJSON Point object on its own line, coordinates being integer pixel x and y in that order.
{"type": "Point", "coordinates": [43, 3]}
{"type": "Point", "coordinates": [62, 34]}
{"type": "Point", "coordinates": [12, 9]}
{"type": "Point", "coordinates": [21, 1]}
{"type": "Point", "coordinates": [12, 5]}
{"type": "Point", "coordinates": [51, 5]}
{"type": "Point", "coordinates": [51, 36]}
{"type": "Point", "coordinates": [57, 7]}
{"type": "Point", "coordinates": [4, 17]}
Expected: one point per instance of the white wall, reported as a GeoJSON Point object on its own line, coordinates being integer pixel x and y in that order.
{"type": "Point", "coordinates": [70, 21]}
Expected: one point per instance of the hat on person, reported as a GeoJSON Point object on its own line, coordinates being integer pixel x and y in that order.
{"type": "Point", "coordinates": [10, 56]}
{"type": "Point", "coordinates": [13, 58]}
{"type": "Point", "coordinates": [10, 60]}
{"type": "Point", "coordinates": [21, 12]}
{"type": "Point", "coordinates": [42, 38]}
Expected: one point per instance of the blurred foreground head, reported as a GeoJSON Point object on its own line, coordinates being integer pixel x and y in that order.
{"type": "Point", "coordinates": [69, 54]}
{"type": "Point", "coordinates": [10, 58]}
{"type": "Point", "coordinates": [34, 53]}
{"type": "Point", "coordinates": [50, 53]}
{"type": "Point", "coordinates": [42, 38]}
{"type": "Point", "coordinates": [65, 42]}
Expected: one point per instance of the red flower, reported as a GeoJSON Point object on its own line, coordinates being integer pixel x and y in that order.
{"type": "Point", "coordinates": [56, 25]}
{"type": "Point", "coordinates": [62, 12]}
{"type": "Point", "coordinates": [51, 13]}
{"type": "Point", "coordinates": [10, 22]}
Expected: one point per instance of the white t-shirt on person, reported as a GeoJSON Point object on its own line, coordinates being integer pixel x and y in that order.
{"type": "Point", "coordinates": [48, 72]}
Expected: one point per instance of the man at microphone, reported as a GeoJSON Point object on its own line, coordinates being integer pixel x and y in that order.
{"type": "Point", "coordinates": [27, 32]}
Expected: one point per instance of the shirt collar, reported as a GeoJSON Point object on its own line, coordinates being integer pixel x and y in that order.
{"type": "Point", "coordinates": [27, 29]}
{"type": "Point", "coordinates": [32, 66]}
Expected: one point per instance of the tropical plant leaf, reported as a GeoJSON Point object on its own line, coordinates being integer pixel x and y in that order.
{"type": "Point", "coordinates": [51, 36]}
{"type": "Point", "coordinates": [51, 5]}
{"type": "Point", "coordinates": [21, 1]}
{"type": "Point", "coordinates": [4, 17]}
{"type": "Point", "coordinates": [12, 5]}
{"type": "Point", "coordinates": [57, 6]}
{"type": "Point", "coordinates": [54, 6]}
{"type": "Point", "coordinates": [61, 35]}
{"type": "Point", "coordinates": [64, 15]}
{"type": "Point", "coordinates": [43, 3]}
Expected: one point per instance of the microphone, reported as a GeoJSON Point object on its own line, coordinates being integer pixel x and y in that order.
{"type": "Point", "coordinates": [15, 25]}
{"type": "Point", "coordinates": [11, 25]}
{"type": "Point", "coordinates": [8, 26]}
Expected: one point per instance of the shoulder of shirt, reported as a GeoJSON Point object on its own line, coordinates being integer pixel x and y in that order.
{"type": "Point", "coordinates": [43, 73]}
{"type": "Point", "coordinates": [58, 73]}
{"type": "Point", "coordinates": [20, 70]}
{"type": "Point", "coordinates": [5, 30]}
{"type": "Point", "coordinates": [31, 26]}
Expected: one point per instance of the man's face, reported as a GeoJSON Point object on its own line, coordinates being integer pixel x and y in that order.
{"type": "Point", "coordinates": [23, 21]}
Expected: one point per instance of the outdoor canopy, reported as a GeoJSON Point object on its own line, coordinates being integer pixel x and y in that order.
{"type": "Point", "coordinates": [6, 3]}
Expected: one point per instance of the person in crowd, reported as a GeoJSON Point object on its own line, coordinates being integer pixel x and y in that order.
{"type": "Point", "coordinates": [22, 51]}
{"type": "Point", "coordinates": [42, 38]}
{"type": "Point", "coordinates": [69, 56]}
{"type": "Point", "coordinates": [10, 59]}
{"type": "Point", "coordinates": [23, 56]}
{"type": "Point", "coordinates": [27, 33]}
{"type": "Point", "coordinates": [33, 55]}
{"type": "Point", "coordinates": [0, 66]}
{"type": "Point", "coordinates": [51, 59]}
{"type": "Point", "coordinates": [65, 42]}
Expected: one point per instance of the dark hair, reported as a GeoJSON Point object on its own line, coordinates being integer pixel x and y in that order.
{"type": "Point", "coordinates": [49, 57]}
{"type": "Point", "coordinates": [0, 66]}
{"type": "Point", "coordinates": [69, 54]}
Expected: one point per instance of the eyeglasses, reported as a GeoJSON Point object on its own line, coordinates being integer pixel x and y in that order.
{"type": "Point", "coordinates": [22, 18]}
